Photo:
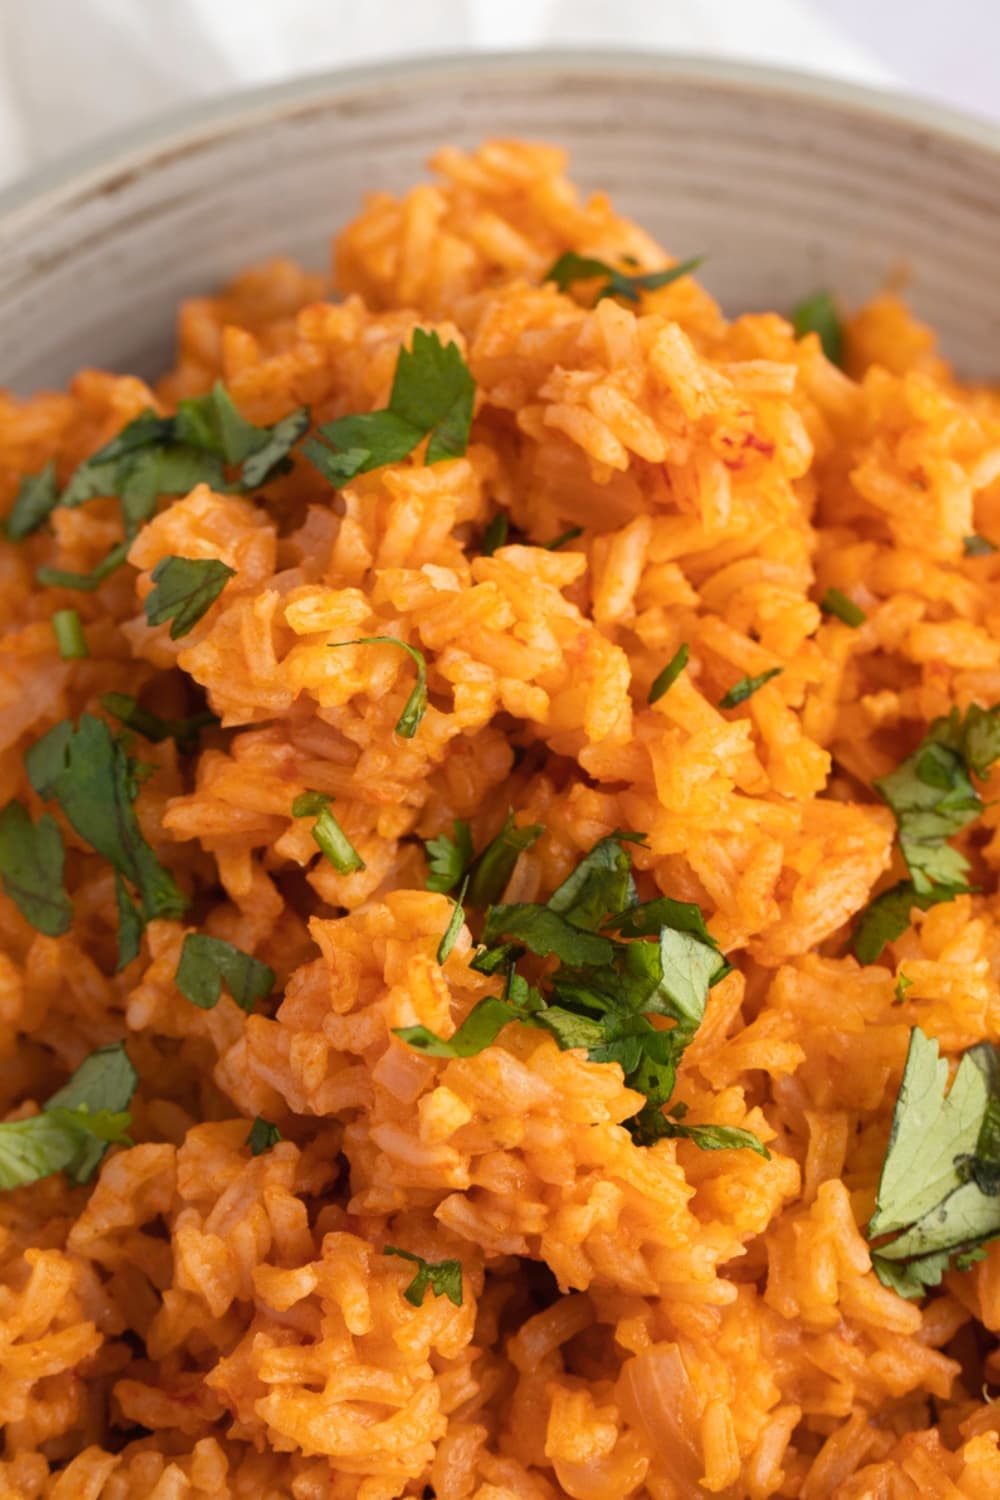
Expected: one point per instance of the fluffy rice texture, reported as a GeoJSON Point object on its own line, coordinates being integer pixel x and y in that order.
{"type": "Point", "coordinates": [655, 1322]}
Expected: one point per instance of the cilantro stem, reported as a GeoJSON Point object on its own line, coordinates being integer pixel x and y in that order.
{"type": "Point", "coordinates": [69, 635]}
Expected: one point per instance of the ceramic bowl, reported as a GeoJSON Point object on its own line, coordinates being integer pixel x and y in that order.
{"type": "Point", "coordinates": [785, 183]}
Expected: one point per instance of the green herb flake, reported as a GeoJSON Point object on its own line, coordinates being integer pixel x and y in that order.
{"type": "Point", "coordinates": [76, 1125]}
{"type": "Point", "coordinates": [746, 687]}
{"type": "Point", "coordinates": [837, 604]}
{"type": "Point", "coordinates": [37, 498]}
{"type": "Point", "coordinates": [207, 963]}
{"type": "Point", "coordinates": [184, 588]}
{"type": "Point", "coordinates": [67, 628]}
{"type": "Point", "coordinates": [495, 865]}
{"type": "Point", "coordinates": [719, 1138]}
{"type": "Point", "coordinates": [903, 983]}
{"type": "Point", "coordinates": [128, 711]}
{"type": "Point", "coordinates": [31, 867]}
{"type": "Point", "coordinates": [89, 774]}
{"type": "Point", "coordinates": [563, 537]}
{"type": "Point", "coordinates": [665, 679]}
{"type": "Point", "coordinates": [263, 1135]}
{"type": "Point", "coordinates": [432, 396]}
{"type": "Point", "coordinates": [444, 1277]}
{"type": "Point", "coordinates": [939, 1191]}
{"type": "Point", "coordinates": [817, 314]}
{"type": "Point", "coordinates": [977, 546]}
{"type": "Point", "coordinates": [416, 704]}
{"type": "Point", "coordinates": [61, 578]}
{"type": "Point", "coordinates": [213, 423]}
{"type": "Point", "coordinates": [327, 833]}
{"type": "Point", "coordinates": [450, 935]}
{"type": "Point", "coordinates": [495, 534]}
{"type": "Point", "coordinates": [131, 925]}
{"type": "Point", "coordinates": [571, 267]}
{"type": "Point", "coordinates": [448, 859]}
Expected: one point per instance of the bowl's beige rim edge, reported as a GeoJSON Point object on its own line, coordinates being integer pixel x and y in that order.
{"type": "Point", "coordinates": [118, 155]}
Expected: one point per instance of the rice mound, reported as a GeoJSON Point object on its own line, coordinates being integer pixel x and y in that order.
{"type": "Point", "coordinates": [660, 1321]}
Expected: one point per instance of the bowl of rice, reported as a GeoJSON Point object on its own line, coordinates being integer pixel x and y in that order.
{"type": "Point", "coordinates": [499, 836]}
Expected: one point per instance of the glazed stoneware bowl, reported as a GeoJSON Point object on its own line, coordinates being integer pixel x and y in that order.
{"type": "Point", "coordinates": [785, 183]}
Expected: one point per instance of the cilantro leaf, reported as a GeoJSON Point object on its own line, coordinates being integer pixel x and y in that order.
{"type": "Point", "coordinates": [903, 983]}
{"type": "Point", "coordinates": [719, 1138]}
{"type": "Point", "coordinates": [571, 267]}
{"type": "Point", "coordinates": [837, 604]}
{"type": "Point", "coordinates": [434, 391]}
{"type": "Point", "coordinates": [444, 1277]}
{"type": "Point", "coordinates": [263, 1135]}
{"type": "Point", "coordinates": [130, 925]}
{"type": "Point", "coordinates": [746, 687]}
{"type": "Point", "coordinates": [977, 546]}
{"type": "Point", "coordinates": [416, 704]}
{"type": "Point", "coordinates": [817, 314]}
{"type": "Point", "coordinates": [480, 1029]}
{"type": "Point", "coordinates": [271, 457]}
{"type": "Point", "coordinates": [90, 776]}
{"type": "Point", "coordinates": [31, 867]}
{"type": "Point", "coordinates": [432, 396]}
{"type": "Point", "coordinates": [888, 916]}
{"type": "Point", "coordinates": [493, 868]}
{"type": "Point", "coordinates": [207, 963]}
{"type": "Point", "coordinates": [37, 498]}
{"type": "Point", "coordinates": [75, 1126]}
{"type": "Point", "coordinates": [601, 884]}
{"type": "Point", "coordinates": [151, 726]}
{"type": "Point", "coordinates": [327, 833]}
{"type": "Point", "coordinates": [495, 534]}
{"type": "Point", "coordinates": [647, 919]}
{"type": "Point", "coordinates": [665, 679]}
{"type": "Point", "coordinates": [184, 588]}
{"type": "Point", "coordinates": [454, 927]}
{"type": "Point", "coordinates": [544, 931]}
{"type": "Point", "coordinates": [448, 859]}
{"type": "Point", "coordinates": [939, 1191]}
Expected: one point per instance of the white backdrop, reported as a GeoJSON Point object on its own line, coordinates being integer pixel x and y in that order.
{"type": "Point", "coordinates": [71, 70]}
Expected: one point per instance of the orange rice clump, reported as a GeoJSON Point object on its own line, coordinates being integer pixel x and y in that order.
{"type": "Point", "coordinates": [660, 1321]}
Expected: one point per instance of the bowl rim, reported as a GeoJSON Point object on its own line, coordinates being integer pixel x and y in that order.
{"type": "Point", "coordinates": [115, 158]}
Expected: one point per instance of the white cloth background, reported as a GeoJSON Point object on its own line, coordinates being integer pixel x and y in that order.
{"type": "Point", "coordinates": [71, 70]}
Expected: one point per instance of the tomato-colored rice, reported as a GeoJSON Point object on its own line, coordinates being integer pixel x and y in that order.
{"type": "Point", "coordinates": [653, 1322]}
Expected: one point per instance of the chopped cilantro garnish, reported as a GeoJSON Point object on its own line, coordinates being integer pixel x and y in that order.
{"type": "Point", "coordinates": [495, 534]}
{"type": "Point", "coordinates": [903, 983]}
{"type": "Point", "coordinates": [604, 990]}
{"type": "Point", "coordinates": [888, 916]}
{"type": "Point", "coordinates": [432, 396]}
{"type": "Point", "coordinates": [31, 867]}
{"type": "Point", "coordinates": [571, 267]}
{"type": "Point", "coordinates": [416, 704]}
{"type": "Point", "coordinates": [835, 603]}
{"type": "Point", "coordinates": [263, 1135]}
{"type": "Point", "coordinates": [444, 1277]}
{"type": "Point", "coordinates": [76, 1125]}
{"type": "Point", "coordinates": [327, 833]}
{"type": "Point", "coordinates": [448, 859]}
{"type": "Point", "coordinates": [977, 546]}
{"type": "Point", "coordinates": [207, 963]}
{"type": "Point", "coordinates": [89, 774]}
{"type": "Point", "coordinates": [665, 679]}
{"type": "Point", "coordinates": [817, 314]}
{"type": "Point", "coordinates": [454, 927]}
{"type": "Point", "coordinates": [37, 498]}
{"type": "Point", "coordinates": [151, 726]}
{"type": "Point", "coordinates": [131, 925]}
{"type": "Point", "coordinates": [745, 688]}
{"type": "Point", "coordinates": [67, 628]}
{"type": "Point", "coordinates": [564, 536]}
{"type": "Point", "coordinates": [60, 578]}
{"type": "Point", "coordinates": [939, 1192]}
{"type": "Point", "coordinates": [213, 424]}
{"type": "Point", "coordinates": [184, 588]}
{"type": "Point", "coordinates": [495, 865]}
{"type": "Point", "coordinates": [718, 1137]}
